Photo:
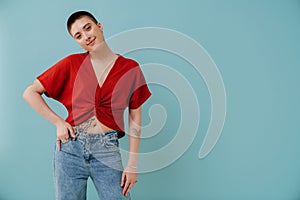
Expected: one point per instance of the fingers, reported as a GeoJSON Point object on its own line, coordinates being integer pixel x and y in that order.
{"type": "Point", "coordinates": [127, 183]}
{"type": "Point", "coordinates": [58, 144]}
{"type": "Point", "coordinates": [123, 179]}
{"type": "Point", "coordinates": [129, 188]}
{"type": "Point", "coordinates": [63, 138]}
{"type": "Point", "coordinates": [64, 132]}
{"type": "Point", "coordinates": [71, 131]}
{"type": "Point", "coordinates": [126, 187]}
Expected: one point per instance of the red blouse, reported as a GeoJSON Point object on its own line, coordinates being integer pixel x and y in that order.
{"type": "Point", "coordinates": [72, 82]}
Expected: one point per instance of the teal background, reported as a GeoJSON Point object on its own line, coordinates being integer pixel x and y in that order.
{"type": "Point", "coordinates": [255, 45]}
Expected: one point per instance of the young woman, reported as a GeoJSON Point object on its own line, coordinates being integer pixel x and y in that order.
{"type": "Point", "coordinates": [95, 87]}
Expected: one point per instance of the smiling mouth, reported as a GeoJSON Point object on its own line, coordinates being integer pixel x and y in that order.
{"type": "Point", "coordinates": [91, 43]}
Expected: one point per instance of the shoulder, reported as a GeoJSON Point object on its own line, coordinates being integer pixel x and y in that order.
{"type": "Point", "coordinates": [78, 57]}
{"type": "Point", "coordinates": [72, 58]}
{"type": "Point", "coordinates": [71, 61]}
{"type": "Point", "coordinates": [128, 63]}
{"type": "Point", "coordinates": [68, 62]}
{"type": "Point", "coordinates": [130, 67]}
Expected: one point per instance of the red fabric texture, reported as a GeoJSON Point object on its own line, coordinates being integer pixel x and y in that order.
{"type": "Point", "coordinates": [72, 82]}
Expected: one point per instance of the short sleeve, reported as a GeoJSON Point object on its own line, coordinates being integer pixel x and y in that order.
{"type": "Point", "coordinates": [140, 90]}
{"type": "Point", "coordinates": [54, 79]}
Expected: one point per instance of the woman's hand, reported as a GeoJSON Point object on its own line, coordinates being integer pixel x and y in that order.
{"type": "Point", "coordinates": [129, 179]}
{"type": "Point", "coordinates": [63, 131]}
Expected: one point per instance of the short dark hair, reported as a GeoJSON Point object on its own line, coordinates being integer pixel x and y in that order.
{"type": "Point", "coordinates": [77, 15]}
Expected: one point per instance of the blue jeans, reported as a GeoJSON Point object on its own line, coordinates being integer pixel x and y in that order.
{"type": "Point", "coordinates": [90, 155]}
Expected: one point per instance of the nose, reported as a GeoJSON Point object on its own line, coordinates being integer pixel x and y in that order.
{"type": "Point", "coordinates": [86, 37]}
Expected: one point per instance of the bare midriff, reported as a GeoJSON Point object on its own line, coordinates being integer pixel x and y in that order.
{"type": "Point", "coordinates": [91, 126]}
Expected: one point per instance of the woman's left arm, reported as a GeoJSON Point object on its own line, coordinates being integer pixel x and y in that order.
{"type": "Point", "coordinates": [129, 176]}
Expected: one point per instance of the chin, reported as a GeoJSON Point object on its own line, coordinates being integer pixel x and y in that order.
{"type": "Point", "coordinates": [89, 49]}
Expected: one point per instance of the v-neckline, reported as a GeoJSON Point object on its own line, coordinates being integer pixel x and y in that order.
{"type": "Point", "coordinates": [94, 72]}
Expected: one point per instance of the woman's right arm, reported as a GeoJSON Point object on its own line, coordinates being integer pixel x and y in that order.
{"type": "Point", "coordinates": [33, 96]}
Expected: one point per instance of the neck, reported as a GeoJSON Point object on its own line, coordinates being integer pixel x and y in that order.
{"type": "Point", "coordinates": [102, 54]}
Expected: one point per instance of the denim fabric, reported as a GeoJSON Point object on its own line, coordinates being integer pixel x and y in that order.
{"type": "Point", "coordinates": [90, 155]}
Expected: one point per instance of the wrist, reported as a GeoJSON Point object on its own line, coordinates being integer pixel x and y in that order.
{"type": "Point", "coordinates": [132, 161]}
{"type": "Point", "coordinates": [58, 121]}
{"type": "Point", "coordinates": [131, 167]}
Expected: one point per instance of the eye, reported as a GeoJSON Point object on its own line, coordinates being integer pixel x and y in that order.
{"type": "Point", "coordinates": [78, 37]}
{"type": "Point", "coordinates": [88, 28]}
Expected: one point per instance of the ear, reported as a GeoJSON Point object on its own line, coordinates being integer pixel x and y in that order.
{"type": "Point", "coordinates": [100, 26]}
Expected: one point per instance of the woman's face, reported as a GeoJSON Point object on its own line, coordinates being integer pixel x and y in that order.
{"type": "Point", "coordinates": [87, 34]}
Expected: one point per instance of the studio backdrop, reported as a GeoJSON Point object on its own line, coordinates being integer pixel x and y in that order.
{"type": "Point", "coordinates": [223, 119]}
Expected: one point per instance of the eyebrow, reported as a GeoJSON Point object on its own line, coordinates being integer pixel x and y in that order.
{"type": "Point", "coordinates": [82, 28]}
